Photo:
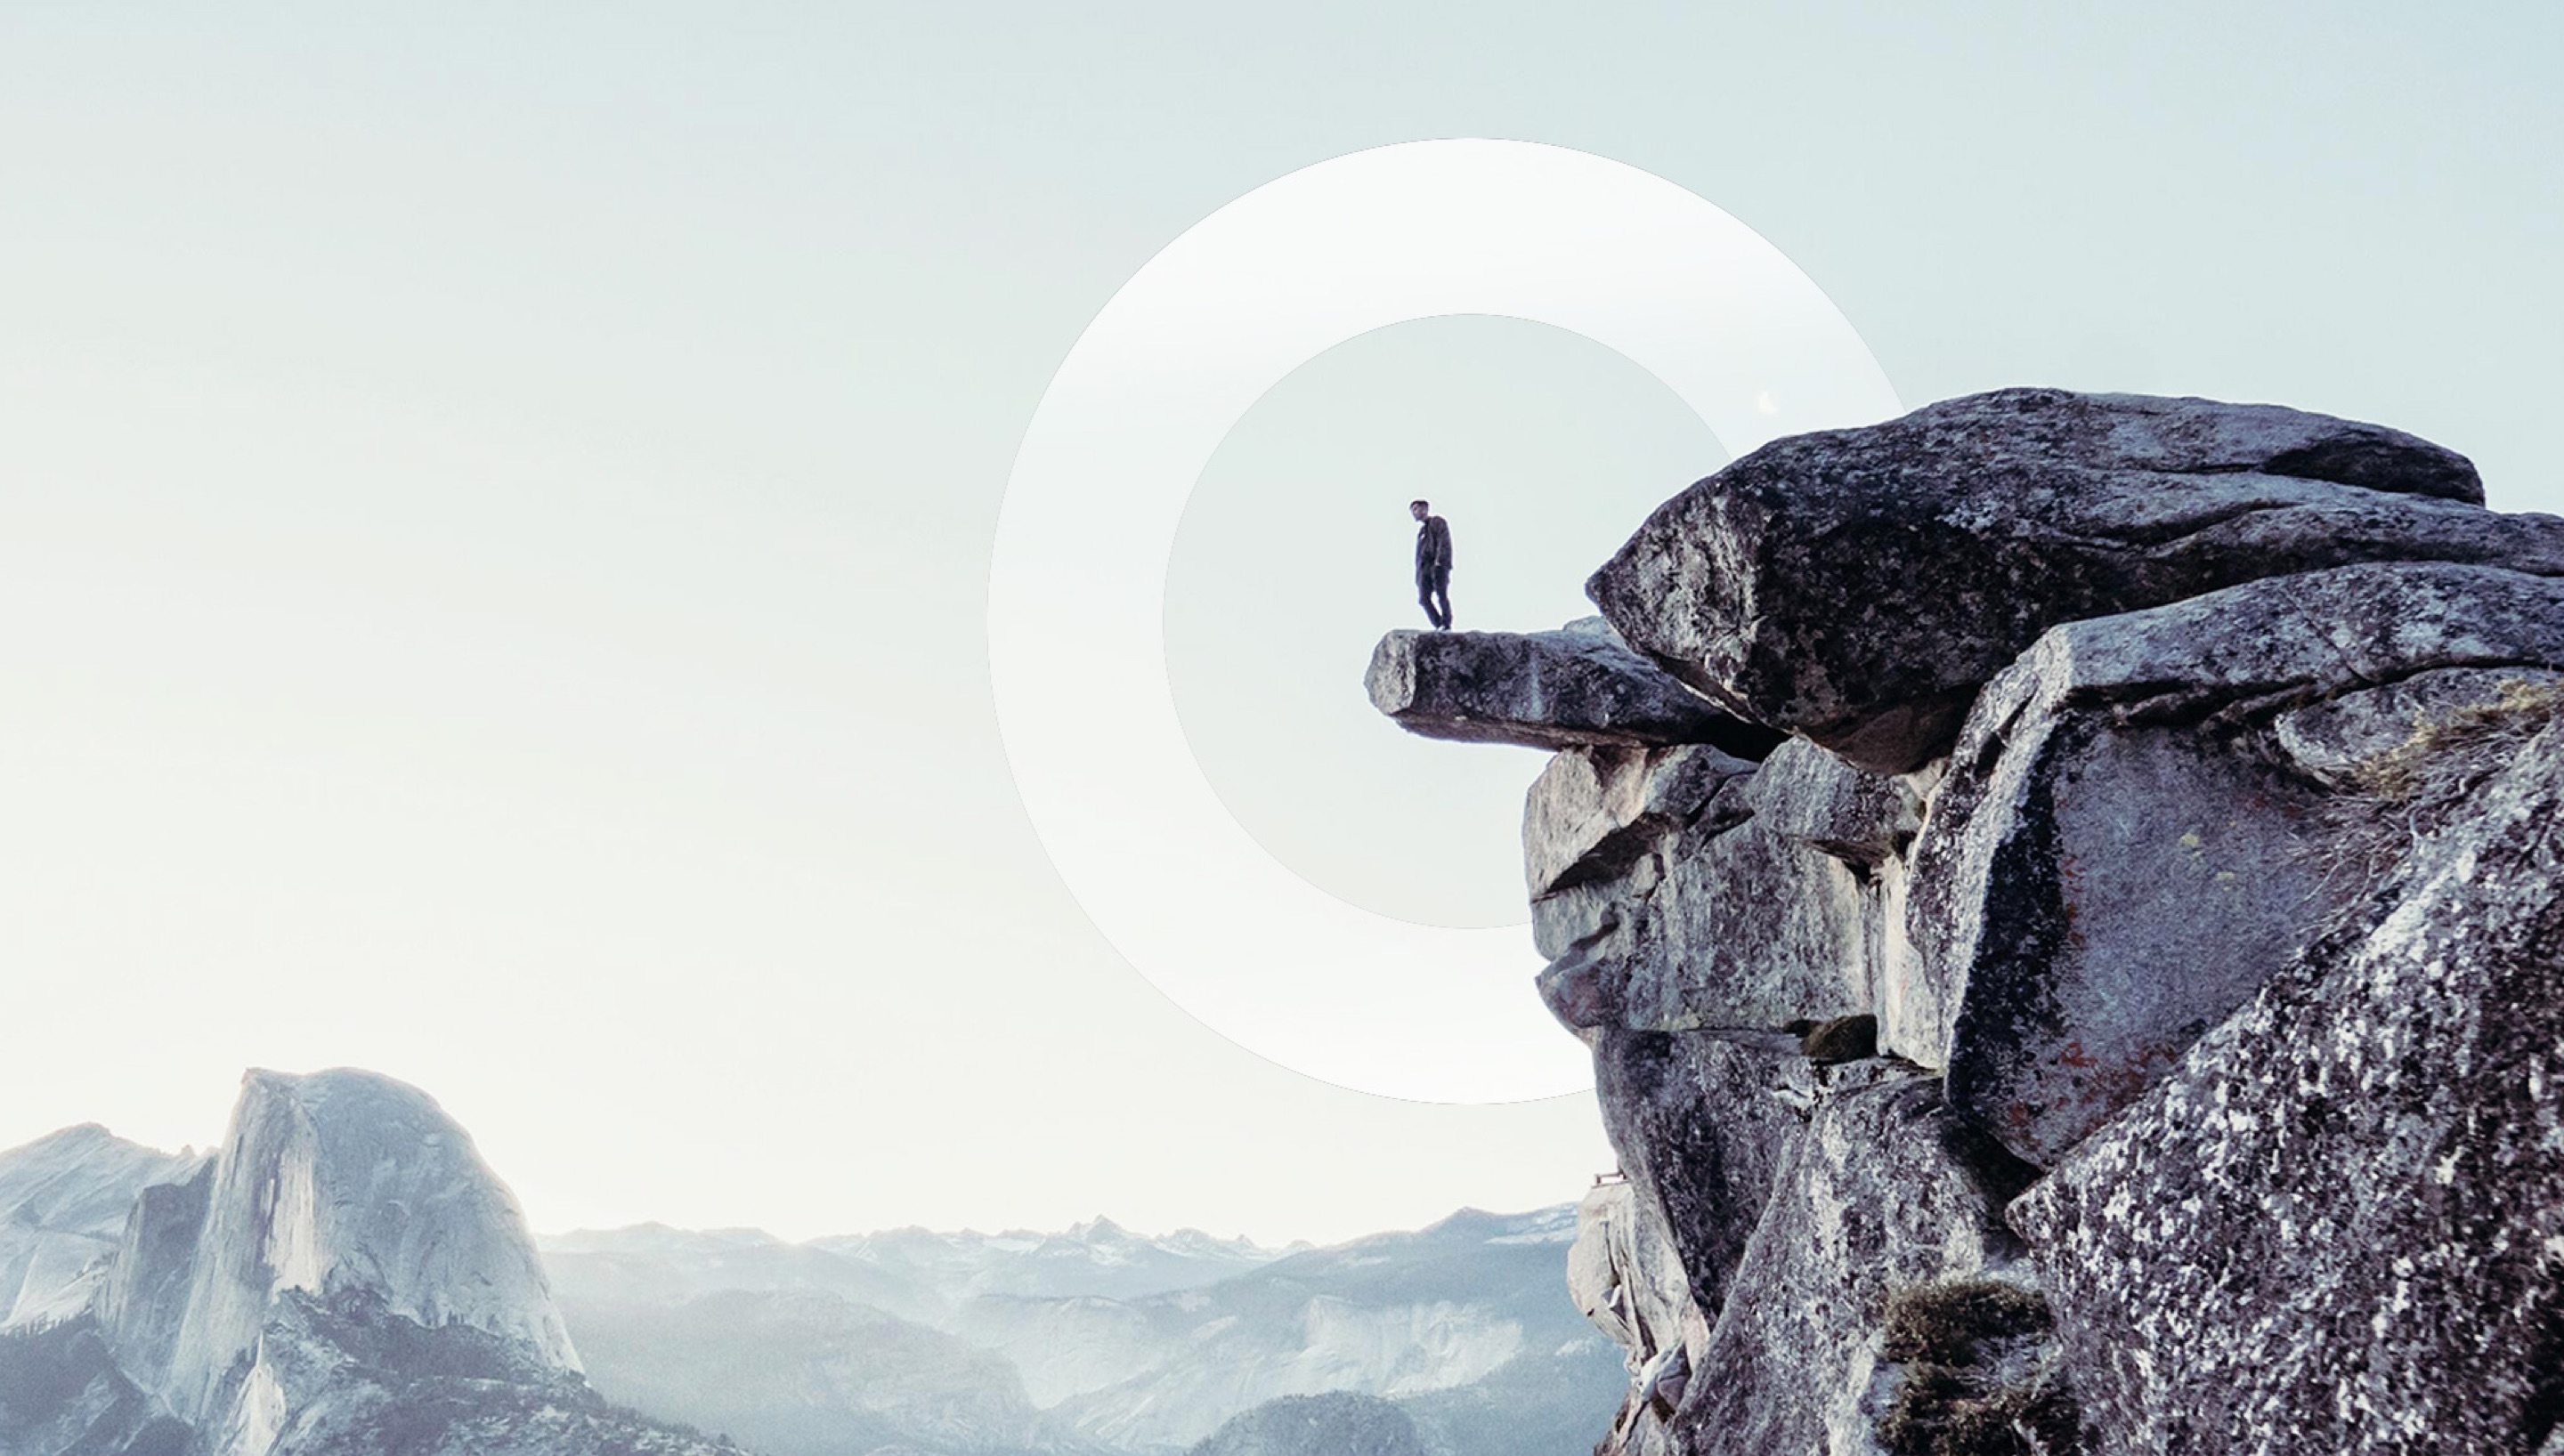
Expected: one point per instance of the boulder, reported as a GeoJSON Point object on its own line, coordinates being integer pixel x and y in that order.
{"type": "Point", "coordinates": [1823, 799]}
{"type": "Point", "coordinates": [2338, 1226]}
{"type": "Point", "coordinates": [1702, 1122]}
{"type": "Point", "coordinates": [1857, 586]}
{"type": "Point", "coordinates": [2110, 894]}
{"type": "Point", "coordinates": [1593, 811]}
{"type": "Point", "coordinates": [1750, 928]}
{"type": "Point", "coordinates": [1579, 687]}
{"type": "Point", "coordinates": [1886, 1189]}
{"type": "Point", "coordinates": [2112, 868]}
{"type": "Point", "coordinates": [1668, 901]}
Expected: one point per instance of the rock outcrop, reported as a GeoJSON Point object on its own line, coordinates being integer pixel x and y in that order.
{"type": "Point", "coordinates": [345, 1180]}
{"type": "Point", "coordinates": [1670, 898]}
{"type": "Point", "coordinates": [2121, 1018]}
{"type": "Point", "coordinates": [1580, 686]}
{"type": "Point", "coordinates": [1626, 1277]}
{"type": "Point", "coordinates": [342, 1276]}
{"type": "Point", "coordinates": [1857, 586]}
{"type": "Point", "coordinates": [1885, 1191]}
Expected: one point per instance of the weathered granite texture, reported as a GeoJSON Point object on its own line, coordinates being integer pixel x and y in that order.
{"type": "Point", "coordinates": [1590, 815]}
{"type": "Point", "coordinates": [2112, 868]}
{"type": "Point", "coordinates": [1816, 797]}
{"type": "Point", "coordinates": [2147, 946]}
{"type": "Point", "coordinates": [2379, 737]}
{"type": "Point", "coordinates": [1676, 890]}
{"type": "Point", "coordinates": [2340, 1225]}
{"type": "Point", "coordinates": [1624, 1276]}
{"type": "Point", "coordinates": [1886, 1189]}
{"type": "Point", "coordinates": [1704, 1122]}
{"type": "Point", "coordinates": [1578, 687]}
{"type": "Point", "coordinates": [1699, 918]}
{"type": "Point", "coordinates": [1857, 586]}
{"type": "Point", "coordinates": [1700, 1121]}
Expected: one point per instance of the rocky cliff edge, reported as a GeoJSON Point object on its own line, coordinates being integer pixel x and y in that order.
{"type": "Point", "coordinates": [2113, 1005]}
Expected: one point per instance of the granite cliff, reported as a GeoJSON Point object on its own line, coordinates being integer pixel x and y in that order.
{"type": "Point", "coordinates": [343, 1275]}
{"type": "Point", "coordinates": [2065, 897]}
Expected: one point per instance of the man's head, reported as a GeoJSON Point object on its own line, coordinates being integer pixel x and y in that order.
{"type": "Point", "coordinates": [1418, 509]}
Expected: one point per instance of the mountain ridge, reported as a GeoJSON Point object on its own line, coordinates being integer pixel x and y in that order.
{"type": "Point", "coordinates": [1123, 1343]}
{"type": "Point", "coordinates": [341, 1276]}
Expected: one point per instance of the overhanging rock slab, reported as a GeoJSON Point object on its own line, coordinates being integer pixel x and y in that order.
{"type": "Point", "coordinates": [1579, 687]}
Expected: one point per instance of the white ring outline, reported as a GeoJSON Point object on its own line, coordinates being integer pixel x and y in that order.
{"type": "Point", "coordinates": [1076, 579]}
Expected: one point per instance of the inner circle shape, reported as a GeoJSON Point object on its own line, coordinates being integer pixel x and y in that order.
{"type": "Point", "coordinates": [1077, 582]}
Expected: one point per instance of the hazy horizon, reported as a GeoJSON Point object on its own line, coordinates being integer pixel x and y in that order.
{"type": "Point", "coordinates": [496, 513]}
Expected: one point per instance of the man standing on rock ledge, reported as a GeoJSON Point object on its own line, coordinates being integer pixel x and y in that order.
{"type": "Point", "coordinates": [1432, 565]}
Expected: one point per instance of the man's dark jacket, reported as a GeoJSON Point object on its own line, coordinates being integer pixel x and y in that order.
{"type": "Point", "coordinates": [1433, 549]}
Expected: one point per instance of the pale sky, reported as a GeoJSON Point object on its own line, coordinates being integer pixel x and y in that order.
{"type": "Point", "coordinates": [495, 519]}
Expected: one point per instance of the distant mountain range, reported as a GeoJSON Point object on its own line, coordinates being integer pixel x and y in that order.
{"type": "Point", "coordinates": [344, 1277]}
{"type": "Point", "coordinates": [1092, 1340]}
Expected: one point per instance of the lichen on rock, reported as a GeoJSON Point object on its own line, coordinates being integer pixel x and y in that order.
{"type": "Point", "coordinates": [2343, 1216]}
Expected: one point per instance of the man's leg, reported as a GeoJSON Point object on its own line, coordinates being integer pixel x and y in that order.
{"type": "Point", "coordinates": [1424, 599]}
{"type": "Point", "coordinates": [1443, 613]}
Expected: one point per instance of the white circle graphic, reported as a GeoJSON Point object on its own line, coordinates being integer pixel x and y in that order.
{"type": "Point", "coordinates": [1076, 588]}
